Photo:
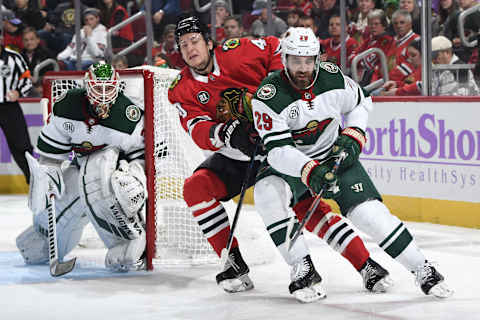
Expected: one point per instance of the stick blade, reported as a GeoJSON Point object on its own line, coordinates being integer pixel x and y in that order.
{"type": "Point", "coordinates": [58, 269]}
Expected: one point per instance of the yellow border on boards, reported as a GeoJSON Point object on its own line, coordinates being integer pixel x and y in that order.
{"type": "Point", "coordinates": [453, 213]}
{"type": "Point", "coordinates": [13, 184]}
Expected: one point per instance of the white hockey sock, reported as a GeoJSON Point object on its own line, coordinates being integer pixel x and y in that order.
{"type": "Point", "coordinates": [374, 218]}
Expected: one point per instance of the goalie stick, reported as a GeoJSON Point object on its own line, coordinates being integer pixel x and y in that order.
{"type": "Point", "coordinates": [226, 251]}
{"type": "Point", "coordinates": [290, 241]}
{"type": "Point", "coordinates": [56, 268]}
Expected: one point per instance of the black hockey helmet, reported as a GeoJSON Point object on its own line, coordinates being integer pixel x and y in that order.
{"type": "Point", "coordinates": [190, 24]}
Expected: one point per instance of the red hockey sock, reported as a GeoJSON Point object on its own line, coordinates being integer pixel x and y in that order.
{"type": "Point", "coordinates": [335, 230]}
{"type": "Point", "coordinates": [200, 192]}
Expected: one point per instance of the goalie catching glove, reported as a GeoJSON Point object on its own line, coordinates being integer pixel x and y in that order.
{"type": "Point", "coordinates": [351, 140]}
{"type": "Point", "coordinates": [320, 177]}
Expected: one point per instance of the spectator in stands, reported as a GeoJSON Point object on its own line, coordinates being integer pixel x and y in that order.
{"type": "Point", "coordinates": [111, 14]}
{"type": "Point", "coordinates": [410, 85]}
{"type": "Point", "coordinates": [447, 12]}
{"type": "Point", "coordinates": [164, 12]}
{"type": "Point", "coordinates": [402, 26]}
{"type": "Point", "coordinates": [308, 22]}
{"type": "Point", "coordinates": [222, 11]}
{"type": "Point", "coordinates": [293, 17]}
{"type": "Point", "coordinates": [378, 38]}
{"type": "Point", "coordinates": [412, 7]}
{"type": "Point", "coordinates": [12, 35]}
{"type": "Point", "coordinates": [120, 62]}
{"type": "Point", "coordinates": [332, 45]}
{"type": "Point", "coordinates": [304, 6]}
{"type": "Point", "coordinates": [471, 27]}
{"type": "Point", "coordinates": [321, 12]}
{"type": "Point", "coordinates": [450, 82]}
{"type": "Point", "coordinates": [29, 13]}
{"type": "Point", "coordinates": [33, 53]}
{"type": "Point", "coordinates": [168, 47]}
{"type": "Point", "coordinates": [94, 41]}
{"type": "Point", "coordinates": [358, 27]}
{"type": "Point", "coordinates": [60, 26]}
{"type": "Point", "coordinates": [233, 28]}
{"type": "Point", "coordinates": [259, 26]}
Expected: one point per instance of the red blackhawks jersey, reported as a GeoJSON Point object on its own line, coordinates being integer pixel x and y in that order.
{"type": "Point", "coordinates": [333, 50]}
{"type": "Point", "coordinates": [239, 64]}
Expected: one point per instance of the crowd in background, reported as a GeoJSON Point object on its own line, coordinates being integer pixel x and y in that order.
{"type": "Point", "coordinates": [44, 29]}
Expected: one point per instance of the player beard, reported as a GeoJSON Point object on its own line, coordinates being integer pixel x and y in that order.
{"type": "Point", "coordinates": [302, 79]}
{"type": "Point", "coordinates": [204, 68]}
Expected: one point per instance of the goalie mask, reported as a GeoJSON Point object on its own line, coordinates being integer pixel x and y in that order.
{"type": "Point", "coordinates": [301, 57]}
{"type": "Point", "coordinates": [103, 85]}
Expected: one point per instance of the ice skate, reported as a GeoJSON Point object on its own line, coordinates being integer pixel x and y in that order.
{"type": "Point", "coordinates": [375, 277]}
{"type": "Point", "coordinates": [306, 282]}
{"type": "Point", "coordinates": [431, 281]}
{"type": "Point", "coordinates": [234, 277]}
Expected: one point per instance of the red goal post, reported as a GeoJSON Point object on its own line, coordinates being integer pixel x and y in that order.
{"type": "Point", "coordinates": [173, 237]}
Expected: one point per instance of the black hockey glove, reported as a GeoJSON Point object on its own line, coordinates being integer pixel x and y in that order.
{"type": "Point", "coordinates": [351, 140]}
{"type": "Point", "coordinates": [320, 177]}
{"type": "Point", "coordinates": [236, 136]}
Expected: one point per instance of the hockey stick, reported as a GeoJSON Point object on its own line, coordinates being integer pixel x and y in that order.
{"type": "Point", "coordinates": [226, 251]}
{"type": "Point", "coordinates": [291, 240]}
{"type": "Point", "coordinates": [56, 268]}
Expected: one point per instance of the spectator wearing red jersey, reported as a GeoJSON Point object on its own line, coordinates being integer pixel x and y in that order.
{"type": "Point", "coordinates": [378, 38]}
{"type": "Point", "coordinates": [358, 27]}
{"type": "Point", "coordinates": [169, 48]}
{"type": "Point", "coordinates": [12, 31]}
{"type": "Point", "coordinates": [112, 14]}
{"type": "Point", "coordinates": [332, 45]}
{"type": "Point", "coordinates": [412, 84]}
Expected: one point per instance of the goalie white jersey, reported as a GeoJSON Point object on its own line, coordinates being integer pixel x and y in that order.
{"type": "Point", "coordinates": [73, 127]}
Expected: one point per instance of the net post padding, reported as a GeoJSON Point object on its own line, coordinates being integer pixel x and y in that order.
{"type": "Point", "coordinates": [173, 237]}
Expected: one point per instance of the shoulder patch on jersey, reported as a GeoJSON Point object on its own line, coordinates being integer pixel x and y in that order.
{"type": "Point", "coordinates": [68, 126]}
{"type": "Point", "coordinates": [329, 67]}
{"type": "Point", "coordinates": [267, 91]}
{"type": "Point", "coordinates": [175, 82]}
{"type": "Point", "coordinates": [203, 97]}
{"type": "Point", "coordinates": [132, 112]}
{"type": "Point", "coordinates": [230, 44]}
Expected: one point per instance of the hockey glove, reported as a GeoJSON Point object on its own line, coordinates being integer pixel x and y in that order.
{"type": "Point", "coordinates": [319, 177]}
{"type": "Point", "coordinates": [351, 140]}
{"type": "Point", "coordinates": [235, 136]}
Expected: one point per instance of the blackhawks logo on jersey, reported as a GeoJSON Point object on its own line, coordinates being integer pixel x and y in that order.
{"type": "Point", "coordinates": [231, 44]}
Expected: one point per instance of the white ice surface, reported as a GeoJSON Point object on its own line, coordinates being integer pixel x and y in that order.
{"type": "Point", "coordinates": [90, 292]}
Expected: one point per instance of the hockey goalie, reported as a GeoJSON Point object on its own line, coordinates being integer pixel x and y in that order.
{"type": "Point", "coordinates": [104, 184]}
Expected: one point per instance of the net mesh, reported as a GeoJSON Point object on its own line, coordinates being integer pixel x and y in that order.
{"type": "Point", "coordinates": [178, 238]}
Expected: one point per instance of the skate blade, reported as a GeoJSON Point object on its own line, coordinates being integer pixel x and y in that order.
{"type": "Point", "coordinates": [383, 285]}
{"type": "Point", "coordinates": [441, 290]}
{"type": "Point", "coordinates": [242, 283]}
{"type": "Point", "coordinates": [310, 294]}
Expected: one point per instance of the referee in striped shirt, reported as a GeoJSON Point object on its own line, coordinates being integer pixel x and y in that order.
{"type": "Point", "coordinates": [15, 83]}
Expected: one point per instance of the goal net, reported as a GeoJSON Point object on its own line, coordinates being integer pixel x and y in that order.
{"type": "Point", "coordinates": [173, 237]}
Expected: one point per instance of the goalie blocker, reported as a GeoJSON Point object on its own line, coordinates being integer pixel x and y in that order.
{"type": "Point", "coordinates": [112, 199]}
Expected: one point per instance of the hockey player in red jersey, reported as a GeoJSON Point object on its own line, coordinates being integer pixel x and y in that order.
{"type": "Point", "coordinates": [227, 76]}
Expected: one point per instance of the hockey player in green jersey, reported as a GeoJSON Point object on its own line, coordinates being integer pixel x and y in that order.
{"type": "Point", "coordinates": [298, 114]}
{"type": "Point", "coordinates": [104, 184]}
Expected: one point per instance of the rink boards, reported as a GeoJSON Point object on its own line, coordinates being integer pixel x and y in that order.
{"type": "Point", "coordinates": [423, 154]}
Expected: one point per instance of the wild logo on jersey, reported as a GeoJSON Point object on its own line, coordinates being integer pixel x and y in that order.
{"type": "Point", "coordinates": [312, 131]}
{"type": "Point", "coordinates": [86, 147]}
{"type": "Point", "coordinates": [235, 103]}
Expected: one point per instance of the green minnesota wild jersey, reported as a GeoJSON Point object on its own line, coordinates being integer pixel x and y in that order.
{"type": "Point", "coordinates": [308, 120]}
{"type": "Point", "coordinates": [73, 127]}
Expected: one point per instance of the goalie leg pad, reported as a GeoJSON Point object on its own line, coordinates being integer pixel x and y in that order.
{"type": "Point", "coordinates": [272, 197]}
{"type": "Point", "coordinates": [126, 255]}
{"type": "Point", "coordinates": [71, 220]}
{"type": "Point", "coordinates": [104, 211]}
